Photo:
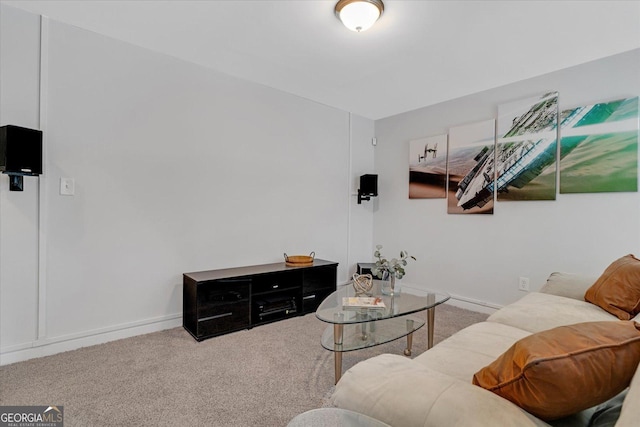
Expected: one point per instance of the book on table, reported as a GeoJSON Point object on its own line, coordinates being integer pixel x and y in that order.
{"type": "Point", "coordinates": [362, 302]}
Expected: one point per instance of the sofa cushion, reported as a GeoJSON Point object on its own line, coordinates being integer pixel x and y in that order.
{"type": "Point", "coordinates": [400, 392]}
{"type": "Point", "coordinates": [564, 370]}
{"type": "Point", "coordinates": [537, 312]}
{"type": "Point", "coordinates": [568, 285]}
{"type": "Point", "coordinates": [630, 413]}
{"type": "Point", "coordinates": [618, 289]}
{"type": "Point", "coordinates": [468, 350]}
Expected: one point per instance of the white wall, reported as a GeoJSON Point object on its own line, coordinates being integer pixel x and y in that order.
{"type": "Point", "coordinates": [177, 168]}
{"type": "Point", "coordinates": [19, 105]}
{"type": "Point", "coordinates": [480, 257]}
{"type": "Point", "coordinates": [361, 215]}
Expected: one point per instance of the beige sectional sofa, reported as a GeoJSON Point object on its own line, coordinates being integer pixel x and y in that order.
{"type": "Point", "coordinates": [435, 388]}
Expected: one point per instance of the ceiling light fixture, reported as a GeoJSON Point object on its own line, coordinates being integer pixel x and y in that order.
{"type": "Point", "coordinates": [359, 15]}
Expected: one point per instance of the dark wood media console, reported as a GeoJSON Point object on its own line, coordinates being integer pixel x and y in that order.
{"type": "Point", "coordinates": [216, 302]}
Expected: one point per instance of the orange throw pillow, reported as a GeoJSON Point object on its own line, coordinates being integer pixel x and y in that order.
{"type": "Point", "coordinates": [617, 291]}
{"type": "Point", "coordinates": [561, 371]}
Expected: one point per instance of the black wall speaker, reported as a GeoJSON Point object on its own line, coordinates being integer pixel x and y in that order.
{"type": "Point", "coordinates": [20, 150]}
{"type": "Point", "coordinates": [369, 185]}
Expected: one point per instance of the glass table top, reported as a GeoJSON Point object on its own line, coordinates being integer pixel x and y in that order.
{"type": "Point", "coordinates": [332, 311]}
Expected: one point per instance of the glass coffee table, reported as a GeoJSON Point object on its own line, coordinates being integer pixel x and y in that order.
{"type": "Point", "coordinates": [358, 328]}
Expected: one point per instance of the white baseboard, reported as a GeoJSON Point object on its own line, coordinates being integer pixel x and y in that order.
{"type": "Point", "coordinates": [459, 301]}
{"type": "Point", "coordinates": [474, 305]}
{"type": "Point", "coordinates": [49, 346]}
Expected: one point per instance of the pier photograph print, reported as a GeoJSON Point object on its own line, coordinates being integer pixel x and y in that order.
{"type": "Point", "coordinates": [526, 148]}
{"type": "Point", "coordinates": [428, 167]}
{"type": "Point", "coordinates": [599, 147]}
{"type": "Point", "coordinates": [470, 168]}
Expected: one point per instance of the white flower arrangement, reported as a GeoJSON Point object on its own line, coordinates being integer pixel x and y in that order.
{"type": "Point", "coordinates": [394, 266]}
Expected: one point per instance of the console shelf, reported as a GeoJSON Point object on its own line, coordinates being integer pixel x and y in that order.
{"type": "Point", "coordinates": [217, 302]}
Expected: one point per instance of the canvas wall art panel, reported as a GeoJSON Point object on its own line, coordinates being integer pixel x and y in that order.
{"type": "Point", "coordinates": [599, 147]}
{"type": "Point", "coordinates": [470, 168]}
{"type": "Point", "coordinates": [428, 167]}
{"type": "Point", "coordinates": [526, 148]}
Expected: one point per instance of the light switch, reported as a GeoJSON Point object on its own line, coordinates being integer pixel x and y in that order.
{"type": "Point", "coordinates": [67, 186]}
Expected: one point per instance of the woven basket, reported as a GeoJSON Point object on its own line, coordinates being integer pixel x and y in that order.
{"type": "Point", "coordinates": [296, 260]}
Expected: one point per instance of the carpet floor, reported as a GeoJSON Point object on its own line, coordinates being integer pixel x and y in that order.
{"type": "Point", "coordinates": [259, 377]}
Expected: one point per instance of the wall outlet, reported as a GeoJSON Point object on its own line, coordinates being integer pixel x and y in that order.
{"type": "Point", "coordinates": [523, 284]}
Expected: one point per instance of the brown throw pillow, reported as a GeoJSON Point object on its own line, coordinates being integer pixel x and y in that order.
{"type": "Point", "coordinates": [618, 289]}
{"type": "Point", "coordinates": [561, 371]}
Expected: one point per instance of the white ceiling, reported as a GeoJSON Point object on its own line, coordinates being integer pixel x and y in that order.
{"type": "Point", "coordinates": [419, 53]}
